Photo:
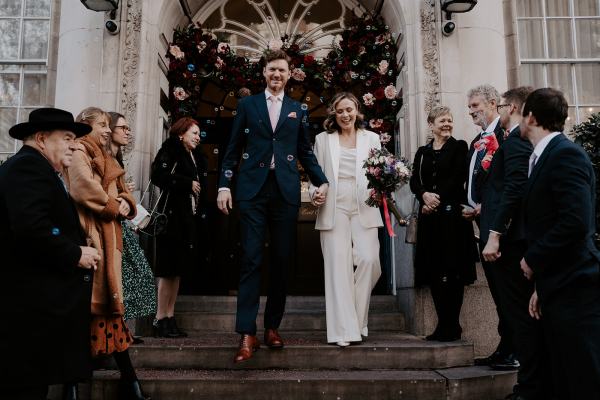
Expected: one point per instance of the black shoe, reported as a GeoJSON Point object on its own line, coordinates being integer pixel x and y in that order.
{"type": "Point", "coordinates": [131, 391]}
{"type": "Point", "coordinates": [138, 340]}
{"type": "Point", "coordinates": [508, 363]}
{"type": "Point", "coordinates": [162, 329]}
{"type": "Point", "coordinates": [491, 359]}
{"type": "Point", "coordinates": [174, 330]}
{"type": "Point", "coordinates": [70, 391]}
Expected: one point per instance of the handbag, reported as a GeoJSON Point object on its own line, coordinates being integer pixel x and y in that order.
{"type": "Point", "coordinates": [412, 221]}
{"type": "Point", "coordinates": [154, 222]}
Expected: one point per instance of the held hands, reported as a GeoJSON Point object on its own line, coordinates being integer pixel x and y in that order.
{"type": "Point", "coordinates": [124, 208]}
{"type": "Point", "coordinates": [196, 187]}
{"type": "Point", "coordinates": [89, 258]}
{"type": "Point", "coordinates": [534, 306]}
{"type": "Point", "coordinates": [431, 200]}
{"type": "Point", "coordinates": [470, 214]}
{"type": "Point", "coordinates": [491, 250]}
{"type": "Point", "coordinates": [320, 195]}
{"type": "Point", "coordinates": [224, 201]}
{"type": "Point", "coordinates": [527, 271]}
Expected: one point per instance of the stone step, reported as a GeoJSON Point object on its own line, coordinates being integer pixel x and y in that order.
{"type": "Point", "coordinates": [307, 350]}
{"type": "Point", "coordinates": [472, 383]}
{"type": "Point", "coordinates": [293, 303]}
{"type": "Point", "coordinates": [198, 322]}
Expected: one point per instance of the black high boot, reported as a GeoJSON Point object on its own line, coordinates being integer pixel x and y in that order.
{"type": "Point", "coordinates": [70, 391]}
{"type": "Point", "coordinates": [174, 330]}
{"type": "Point", "coordinates": [162, 328]}
{"type": "Point", "coordinates": [131, 390]}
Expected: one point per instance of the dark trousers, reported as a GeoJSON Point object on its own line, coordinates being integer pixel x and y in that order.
{"type": "Point", "coordinates": [448, 299]}
{"type": "Point", "coordinates": [513, 293]}
{"type": "Point", "coordinates": [571, 323]}
{"type": "Point", "coordinates": [505, 347]}
{"type": "Point", "coordinates": [267, 209]}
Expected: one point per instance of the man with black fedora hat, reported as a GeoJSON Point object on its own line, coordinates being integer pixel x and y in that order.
{"type": "Point", "coordinates": [47, 268]}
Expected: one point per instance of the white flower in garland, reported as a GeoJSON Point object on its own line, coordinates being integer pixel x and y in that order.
{"type": "Point", "coordinates": [298, 74]}
{"type": "Point", "coordinates": [176, 52]}
{"type": "Point", "coordinates": [390, 92]}
{"type": "Point", "coordinates": [219, 63]}
{"type": "Point", "coordinates": [383, 67]}
{"type": "Point", "coordinates": [201, 46]}
{"type": "Point", "coordinates": [375, 123]}
{"type": "Point", "coordinates": [222, 48]}
{"type": "Point", "coordinates": [180, 93]}
{"type": "Point", "coordinates": [368, 99]}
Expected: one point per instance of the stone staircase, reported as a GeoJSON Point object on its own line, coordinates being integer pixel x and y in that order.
{"type": "Point", "coordinates": [391, 364]}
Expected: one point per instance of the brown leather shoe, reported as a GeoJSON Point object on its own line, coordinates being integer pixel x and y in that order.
{"type": "Point", "coordinates": [248, 345]}
{"type": "Point", "coordinates": [272, 339]}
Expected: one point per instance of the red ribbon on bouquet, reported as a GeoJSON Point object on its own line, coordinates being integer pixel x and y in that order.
{"type": "Point", "coordinates": [386, 214]}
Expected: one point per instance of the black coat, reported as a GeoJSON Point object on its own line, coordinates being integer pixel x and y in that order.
{"type": "Point", "coordinates": [445, 242]}
{"type": "Point", "coordinates": [503, 189]}
{"type": "Point", "coordinates": [178, 246]}
{"type": "Point", "coordinates": [45, 296]}
{"type": "Point", "coordinates": [481, 175]}
{"type": "Point", "coordinates": [252, 134]}
{"type": "Point", "coordinates": [559, 215]}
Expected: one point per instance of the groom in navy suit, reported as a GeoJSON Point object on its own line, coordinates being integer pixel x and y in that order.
{"type": "Point", "coordinates": [269, 135]}
{"type": "Point", "coordinates": [561, 257]}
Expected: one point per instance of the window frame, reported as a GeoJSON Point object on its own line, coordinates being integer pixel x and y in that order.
{"type": "Point", "coordinates": [546, 61]}
{"type": "Point", "coordinates": [21, 65]}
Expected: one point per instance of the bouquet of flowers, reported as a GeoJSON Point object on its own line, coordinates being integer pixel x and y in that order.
{"type": "Point", "coordinates": [385, 173]}
{"type": "Point", "coordinates": [489, 143]}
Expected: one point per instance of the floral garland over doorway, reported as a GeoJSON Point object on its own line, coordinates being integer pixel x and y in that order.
{"type": "Point", "coordinates": [363, 62]}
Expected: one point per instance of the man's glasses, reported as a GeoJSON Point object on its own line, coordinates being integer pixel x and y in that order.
{"type": "Point", "coordinates": [501, 106]}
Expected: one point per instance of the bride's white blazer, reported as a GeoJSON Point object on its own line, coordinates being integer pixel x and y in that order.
{"type": "Point", "coordinates": [327, 152]}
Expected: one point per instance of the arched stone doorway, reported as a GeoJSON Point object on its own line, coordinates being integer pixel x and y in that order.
{"type": "Point", "coordinates": [248, 27]}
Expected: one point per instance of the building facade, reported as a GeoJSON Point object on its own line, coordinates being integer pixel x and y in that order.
{"type": "Point", "coordinates": [58, 53]}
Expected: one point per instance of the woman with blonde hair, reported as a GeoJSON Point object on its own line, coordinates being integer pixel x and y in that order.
{"type": "Point", "coordinates": [349, 227]}
{"type": "Point", "coordinates": [446, 250]}
{"type": "Point", "coordinates": [97, 185]}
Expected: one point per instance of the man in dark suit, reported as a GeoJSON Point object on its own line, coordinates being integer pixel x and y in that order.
{"type": "Point", "coordinates": [483, 102]}
{"type": "Point", "coordinates": [271, 130]}
{"type": "Point", "coordinates": [561, 257]}
{"type": "Point", "coordinates": [46, 266]}
{"type": "Point", "coordinates": [502, 231]}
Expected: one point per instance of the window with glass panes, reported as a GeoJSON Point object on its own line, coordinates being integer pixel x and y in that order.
{"type": "Point", "coordinates": [24, 38]}
{"type": "Point", "coordinates": [559, 46]}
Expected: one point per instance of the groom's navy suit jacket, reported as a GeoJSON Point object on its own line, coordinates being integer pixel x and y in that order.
{"type": "Point", "coordinates": [253, 136]}
{"type": "Point", "coordinates": [559, 215]}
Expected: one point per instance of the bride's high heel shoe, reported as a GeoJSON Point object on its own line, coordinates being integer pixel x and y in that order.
{"type": "Point", "coordinates": [343, 344]}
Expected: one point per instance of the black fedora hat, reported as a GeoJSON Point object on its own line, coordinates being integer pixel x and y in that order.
{"type": "Point", "coordinates": [48, 119]}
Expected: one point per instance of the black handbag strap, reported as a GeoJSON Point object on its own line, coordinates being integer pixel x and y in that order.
{"type": "Point", "coordinates": [160, 195]}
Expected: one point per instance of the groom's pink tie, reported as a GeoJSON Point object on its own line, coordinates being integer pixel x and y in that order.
{"type": "Point", "coordinates": [274, 117]}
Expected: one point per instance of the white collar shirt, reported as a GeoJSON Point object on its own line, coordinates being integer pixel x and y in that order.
{"type": "Point", "coordinates": [539, 150]}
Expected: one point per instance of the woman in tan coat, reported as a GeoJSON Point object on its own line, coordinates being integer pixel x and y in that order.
{"type": "Point", "coordinates": [97, 185]}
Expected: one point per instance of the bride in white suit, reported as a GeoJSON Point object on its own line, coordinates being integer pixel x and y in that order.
{"type": "Point", "coordinates": [348, 226]}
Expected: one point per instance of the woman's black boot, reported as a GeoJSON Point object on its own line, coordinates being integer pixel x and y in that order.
{"type": "Point", "coordinates": [174, 330]}
{"type": "Point", "coordinates": [131, 390]}
{"type": "Point", "coordinates": [70, 391]}
{"type": "Point", "coordinates": [161, 328]}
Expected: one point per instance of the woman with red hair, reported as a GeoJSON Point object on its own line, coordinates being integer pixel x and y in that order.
{"type": "Point", "coordinates": [179, 171]}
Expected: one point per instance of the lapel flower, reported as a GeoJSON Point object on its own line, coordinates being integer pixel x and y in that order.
{"type": "Point", "coordinates": [489, 143]}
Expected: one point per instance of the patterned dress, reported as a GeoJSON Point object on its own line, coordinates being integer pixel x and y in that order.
{"type": "Point", "coordinates": [139, 289]}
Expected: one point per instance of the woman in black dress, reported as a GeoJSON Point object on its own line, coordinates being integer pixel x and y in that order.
{"type": "Point", "coordinates": [446, 249]}
{"type": "Point", "coordinates": [179, 171]}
